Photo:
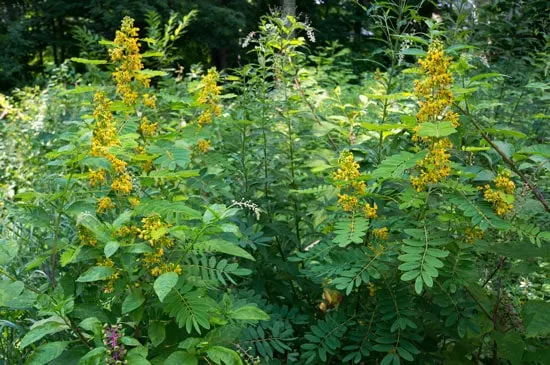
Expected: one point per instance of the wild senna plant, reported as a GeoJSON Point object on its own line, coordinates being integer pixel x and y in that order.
{"type": "Point", "coordinates": [131, 251]}
{"type": "Point", "coordinates": [269, 215]}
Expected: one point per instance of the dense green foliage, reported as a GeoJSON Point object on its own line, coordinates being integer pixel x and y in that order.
{"type": "Point", "coordinates": [296, 209]}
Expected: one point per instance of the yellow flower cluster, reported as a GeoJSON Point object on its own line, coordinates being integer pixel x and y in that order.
{"type": "Point", "coordinates": [472, 234]}
{"type": "Point", "coordinates": [97, 177]}
{"type": "Point", "coordinates": [134, 202]}
{"type": "Point", "coordinates": [105, 133]}
{"type": "Point", "coordinates": [370, 211]}
{"type": "Point", "coordinates": [435, 99]}
{"type": "Point", "coordinates": [502, 198]}
{"type": "Point", "coordinates": [86, 237]}
{"type": "Point", "coordinates": [122, 184]}
{"type": "Point", "coordinates": [111, 280]}
{"type": "Point", "coordinates": [434, 91]}
{"type": "Point", "coordinates": [381, 233]}
{"type": "Point", "coordinates": [504, 183]}
{"type": "Point", "coordinates": [126, 231]}
{"type": "Point", "coordinates": [435, 166]}
{"type": "Point", "coordinates": [348, 177]}
{"type": "Point", "coordinates": [372, 289]}
{"type": "Point", "coordinates": [349, 169]}
{"type": "Point", "coordinates": [126, 54]}
{"type": "Point", "coordinates": [147, 129]}
{"type": "Point", "coordinates": [209, 96]}
{"type": "Point", "coordinates": [348, 202]}
{"type": "Point", "coordinates": [155, 232]}
{"type": "Point", "coordinates": [203, 145]}
{"type": "Point", "coordinates": [105, 136]}
{"type": "Point", "coordinates": [105, 204]}
{"type": "Point", "coordinates": [331, 299]}
{"type": "Point", "coordinates": [149, 101]}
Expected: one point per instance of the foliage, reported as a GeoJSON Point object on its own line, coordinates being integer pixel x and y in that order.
{"type": "Point", "coordinates": [288, 210]}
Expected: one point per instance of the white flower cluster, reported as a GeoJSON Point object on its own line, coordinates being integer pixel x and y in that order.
{"type": "Point", "coordinates": [248, 204]}
{"type": "Point", "coordinates": [247, 40]}
{"type": "Point", "coordinates": [404, 46]}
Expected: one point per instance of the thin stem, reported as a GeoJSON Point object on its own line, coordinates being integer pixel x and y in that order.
{"type": "Point", "coordinates": [494, 272]}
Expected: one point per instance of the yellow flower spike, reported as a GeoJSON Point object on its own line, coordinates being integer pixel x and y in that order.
{"type": "Point", "coordinates": [105, 204]}
{"type": "Point", "coordinates": [349, 169]}
{"type": "Point", "coordinates": [134, 202]}
{"type": "Point", "coordinates": [372, 289]}
{"type": "Point", "coordinates": [205, 118]}
{"type": "Point", "coordinates": [381, 233]}
{"type": "Point", "coordinates": [118, 165]}
{"type": "Point", "coordinates": [473, 233]}
{"type": "Point", "coordinates": [360, 187]}
{"type": "Point", "coordinates": [502, 197]}
{"type": "Point", "coordinates": [110, 284]}
{"type": "Point", "coordinates": [127, 54]}
{"type": "Point", "coordinates": [97, 177]}
{"type": "Point", "coordinates": [209, 95]}
{"type": "Point", "coordinates": [203, 145]}
{"type": "Point", "coordinates": [348, 202]}
{"type": "Point", "coordinates": [435, 166]}
{"type": "Point", "coordinates": [434, 91]}
{"type": "Point", "coordinates": [147, 129]}
{"type": "Point", "coordinates": [149, 101]}
{"type": "Point", "coordinates": [86, 237]}
{"type": "Point", "coordinates": [122, 184]}
{"type": "Point", "coordinates": [369, 211]}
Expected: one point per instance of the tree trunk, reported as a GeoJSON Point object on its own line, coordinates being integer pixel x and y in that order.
{"type": "Point", "coordinates": [289, 7]}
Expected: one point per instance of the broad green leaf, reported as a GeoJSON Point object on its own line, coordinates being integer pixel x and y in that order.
{"type": "Point", "coordinates": [164, 284]}
{"type": "Point", "coordinates": [46, 353]}
{"type": "Point", "coordinates": [181, 358]}
{"type": "Point", "coordinates": [152, 73]}
{"type": "Point", "coordinates": [537, 149]}
{"type": "Point", "coordinates": [93, 357]}
{"type": "Point", "coordinates": [133, 359]}
{"type": "Point", "coordinates": [249, 313]}
{"type": "Point", "coordinates": [96, 273]}
{"type": "Point", "coordinates": [8, 251]}
{"type": "Point", "coordinates": [488, 75]}
{"type": "Point", "coordinates": [46, 328]}
{"type": "Point", "coordinates": [227, 248]}
{"type": "Point", "coordinates": [536, 318]}
{"type": "Point", "coordinates": [510, 346]}
{"type": "Point", "coordinates": [9, 290]}
{"type": "Point", "coordinates": [111, 248]}
{"type": "Point", "coordinates": [152, 54]}
{"type": "Point", "coordinates": [88, 62]}
{"type": "Point", "coordinates": [409, 275]}
{"type": "Point", "coordinates": [132, 302]}
{"type": "Point", "coordinates": [156, 332]}
{"type": "Point", "coordinates": [130, 341]}
{"type": "Point", "coordinates": [223, 356]}
{"type": "Point", "coordinates": [98, 229]}
{"type": "Point", "coordinates": [414, 52]}
{"type": "Point", "coordinates": [441, 129]}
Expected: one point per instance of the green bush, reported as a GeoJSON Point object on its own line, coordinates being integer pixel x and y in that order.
{"type": "Point", "coordinates": [286, 211]}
